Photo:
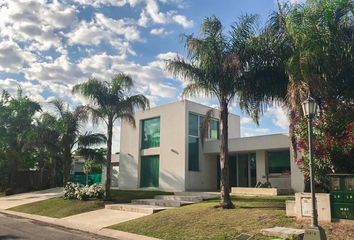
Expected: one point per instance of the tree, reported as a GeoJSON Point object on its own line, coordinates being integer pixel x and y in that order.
{"type": "Point", "coordinates": [111, 101]}
{"type": "Point", "coordinates": [16, 127]}
{"type": "Point", "coordinates": [309, 49]}
{"type": "Point", "coordinates": [216, 67]}
{"type": "Point", "coordinates": [69, 134]}
{"type": "Point", "coordinates": [45, 142]}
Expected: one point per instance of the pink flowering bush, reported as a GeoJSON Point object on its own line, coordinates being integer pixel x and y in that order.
{"type": "Point", "coordinates": [333, 141]}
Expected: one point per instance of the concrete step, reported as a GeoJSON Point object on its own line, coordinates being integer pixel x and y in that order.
{"type": "Point", "coordinates": [130, 207]}
{"type": "Point", "coordinates": [180, 198]}
{"type": "Point", "coordinates": [161, 202]}
{"type": "Point", "coordinates": [203, 195]}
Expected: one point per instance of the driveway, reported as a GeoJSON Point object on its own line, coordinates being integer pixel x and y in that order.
{"type": "Point", "coordinates": [24, 198]}
{"type": "Point", "coordinates": [12, 227]}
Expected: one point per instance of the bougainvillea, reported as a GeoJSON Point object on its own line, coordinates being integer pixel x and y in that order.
{"type": "Point", "coordinates": [333, 141]}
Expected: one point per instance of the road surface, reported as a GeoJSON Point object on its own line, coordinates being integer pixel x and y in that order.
{"type": "Point", "coordinates": [12, 227]}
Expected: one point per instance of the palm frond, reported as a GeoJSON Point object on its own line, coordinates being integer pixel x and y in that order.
{"type": "Point", "coordinates": [129, 118]}
{"type": "Point", "coordinates": [197, 89]}
{"type": "Point", "coordinates": [90, 139]}
{"type": "Point", "coordinates": [205, 125]}
{"type": "Point", "coordinates": [179, 68]}
{"type": "Point", "coordinates": [120, 82]}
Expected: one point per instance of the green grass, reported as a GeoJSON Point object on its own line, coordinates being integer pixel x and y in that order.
{"type": "Point", "coordinates": [59, 207]}
{"type": "Point", "coordinates": [206, 221]}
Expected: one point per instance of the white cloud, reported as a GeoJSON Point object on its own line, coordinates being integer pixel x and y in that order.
{"type": "Point", "coordinates": [13, 58]}
{"type": "Point", "coordinates": [100, 3]}
{"type": "Point", "coordinates": [152, 12]}
{"type": "Point", "coordinates": [118, 33]}
{"type": "Point", "coordinates": [279, 116]}
{"type": "Point", "coordinates": [182, 20]}
{"type": "Point", "coordinates": [34, 23]}
{"type": "Point", "coordinates": [245, 120]}
{"type": "Point", "coordinates": [160, 31]}
{"type": "Point", "coordinates": [253, 131]}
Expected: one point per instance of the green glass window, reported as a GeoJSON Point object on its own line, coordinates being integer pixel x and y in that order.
{"type": "Point", "coordinates": [151, 133]}
{"type": "Point", "coordinates": [193, 153]}
{"type": "Point", "coordinates": [214, 129]}
{"type": "Point", "coordinates": [279, 161]}
{"type": "Point", "coordinates": [193, 126]}
{"type": "Point", "coordinates": [149, 173]}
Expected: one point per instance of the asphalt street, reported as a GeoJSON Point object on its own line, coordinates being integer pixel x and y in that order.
{"type": "Point", "coordinates": [12, 227]}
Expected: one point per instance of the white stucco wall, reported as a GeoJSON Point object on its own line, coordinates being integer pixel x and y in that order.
{"type": "Point", "coordinates": [205, 178]}
{"type": "Point", "coordinates": [171, 150]}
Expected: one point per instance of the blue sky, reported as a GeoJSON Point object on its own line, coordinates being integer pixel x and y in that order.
{"type": "Point", "coordinates": [49, 46]}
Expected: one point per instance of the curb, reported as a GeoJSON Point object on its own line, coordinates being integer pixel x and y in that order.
{"type": "Point", "coordinates": [105, 232]}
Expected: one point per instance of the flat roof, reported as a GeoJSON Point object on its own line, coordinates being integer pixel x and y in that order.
{"type": "Point", "coordinates": [183, 100]}
{"type": "Point", "coordinates": [247, 144]}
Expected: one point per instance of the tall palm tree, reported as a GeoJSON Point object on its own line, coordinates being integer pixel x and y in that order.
{"type": "Point", "coordinates": [69, 124]}
{"type": "Point", "coordinates": [216, 67]}
{"type": "Point", "coordinates": [111, 101]}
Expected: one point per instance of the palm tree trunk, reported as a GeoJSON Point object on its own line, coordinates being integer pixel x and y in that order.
{"type": "Point", "coordinates": [225, 201]}
{"type": "Point", "coordinates": [53, 174]}
{"type": "Point", "coordinates": [67, 166]}
{"type": "Point", "coordinates": [108, 163]}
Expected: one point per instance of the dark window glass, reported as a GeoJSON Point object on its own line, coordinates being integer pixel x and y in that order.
{"type": "Point", "coordinates": [279, 162]}
{"type": "Point", "coordinates": [193, 153]}
{"type": "Point", "coordinates": [193, 127]}
{"type": "Point", "coordinates": [253, 167]}
{"type": "Point", "coordinates": [151, 133]}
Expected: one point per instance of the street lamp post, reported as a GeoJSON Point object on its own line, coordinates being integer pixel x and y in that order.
{"type": "Point", "coordinates": [309, 108]}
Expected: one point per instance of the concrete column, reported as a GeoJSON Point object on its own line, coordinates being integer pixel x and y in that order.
{"type": "Point", "coordinates": [297, 178]}
{"type": "Point", "coordinates": [261, 165]}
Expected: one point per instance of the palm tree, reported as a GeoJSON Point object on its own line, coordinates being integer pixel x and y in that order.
{"type": "Point", "coordinates": [216, 68]}
{"type": "Point", "coordinates": [69, 134]}
{"type": "Point", "coordinates": [111, 101]}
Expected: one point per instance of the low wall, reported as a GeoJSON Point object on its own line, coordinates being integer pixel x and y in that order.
{"type": "Point", "coordinates": [302, 208]}
{"type": "Point", "coordinates": [254, 191]}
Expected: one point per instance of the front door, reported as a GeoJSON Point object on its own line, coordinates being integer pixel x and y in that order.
{"type": "Point", "coordinates": [149, 171]}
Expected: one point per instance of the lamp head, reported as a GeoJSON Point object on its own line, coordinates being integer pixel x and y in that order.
{"type": "Point", "coordinates": [309, 107]}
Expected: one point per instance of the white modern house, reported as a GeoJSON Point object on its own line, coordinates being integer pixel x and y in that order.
{"type": "Point", "coordinates": [164, 152]}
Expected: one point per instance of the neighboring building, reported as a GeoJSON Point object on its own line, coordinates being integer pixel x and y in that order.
{"type": "Point", "coordinates": [77, 166]}
{"type": "Point", "coordinates": [164, 151]}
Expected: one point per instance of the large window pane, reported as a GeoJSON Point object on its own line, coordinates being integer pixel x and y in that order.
{"type": "Point", "coordinates": [149, 173]}
{"type": "Point", "coordinates": [253, 166]}
{"type": "Point", "coordinates": [193, 125]}
{"type": "Point", "coordinates": [151, 133]}
{"type": "Point", "coordinates": [214, 129]}
{"type": "Point", "coordinates": [193, 154]}
{"type": "Point", "coordinates": [279, 162]}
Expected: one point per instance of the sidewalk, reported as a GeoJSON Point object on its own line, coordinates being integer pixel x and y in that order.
{"type": "Point", "coordinates": [24, 198]}
{"type": "Point", "coordinates": [80, 222]}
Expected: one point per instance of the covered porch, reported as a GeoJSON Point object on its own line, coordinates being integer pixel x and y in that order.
{"type": "Point", "coordinates": [255, 159]}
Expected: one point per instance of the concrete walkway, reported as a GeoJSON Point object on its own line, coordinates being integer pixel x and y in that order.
{"type": "Point", "coordinates": [99, 219]}
{"type": "Point", "coordinates": [24, 198]}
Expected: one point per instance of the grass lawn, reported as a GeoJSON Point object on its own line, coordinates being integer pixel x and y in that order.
{"type": "Point", "coordinates": [59, 207]}
{"type": "Point", "coordinates": [205, 221]}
